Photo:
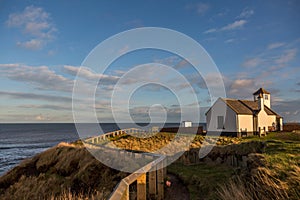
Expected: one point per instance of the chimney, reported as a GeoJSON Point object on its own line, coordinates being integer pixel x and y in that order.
{"type": "Point", "coordinates": [260, 102]}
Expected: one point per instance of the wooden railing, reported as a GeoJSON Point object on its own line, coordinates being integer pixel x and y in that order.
{"type": "Point", "coordinates": [156, 172]}
{"type": "Point", "coordinates": [105, 137]}
{"type": "Point", "coordinates": [156, 169]}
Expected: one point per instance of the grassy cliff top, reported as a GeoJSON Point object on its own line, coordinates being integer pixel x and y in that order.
{"type": "Point", "coordinates": [69, 171]}
{"type": "Point", "coordinates": [62, 172]}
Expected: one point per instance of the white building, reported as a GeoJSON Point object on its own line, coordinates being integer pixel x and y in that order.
{"type": "Point", "coordinates": [244, 117]}
{"type": "Point", "coordinates": [186, 124]}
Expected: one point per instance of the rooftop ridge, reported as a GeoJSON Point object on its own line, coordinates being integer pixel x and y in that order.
{"type": "Point", "coordinates": [261, 91]}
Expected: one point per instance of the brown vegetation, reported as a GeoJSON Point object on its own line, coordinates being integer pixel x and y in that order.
{"type": "Point", "coordinates": [62, 171]}
{"type": "Point", "coordinates": [159, 140]}
{"type": "Point", "coordinates": [262, 183]}
{"type": "Point", "coordinates": [69, 171]}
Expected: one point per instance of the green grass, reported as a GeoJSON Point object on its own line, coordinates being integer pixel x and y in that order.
{"type": "Point", "coordinates": [282, 150]}
{"type": "Point", "coordinates": [280, 136]}
{"type": "Point", "coordinates": [202, 179]}
{"type": "Point", "coordinates": [282, 154]}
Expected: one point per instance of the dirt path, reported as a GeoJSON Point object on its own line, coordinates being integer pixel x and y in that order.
{"type": "Point", "coordinates": [177, 190]}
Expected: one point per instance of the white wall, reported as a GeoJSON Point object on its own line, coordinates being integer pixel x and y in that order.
{"type": "Point", "coordinates": [265, 120]}
{"type": "Point", "coordinates": [218, 110]}
{"type": "Point", "coordinates": [245, 122]}
{"type": "Point", "coordinates": [267, 102]}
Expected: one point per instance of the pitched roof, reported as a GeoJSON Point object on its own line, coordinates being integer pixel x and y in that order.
{"type": "Point", "coordinates": [247, 107]}
{"type": "Point", "coordinates": [253, 105]}
{"type": "Point", "coordinates": [237, 106]}
{"type": "Point", "coordinates": [261, 91]}
{"type": "Point", "coordinates": [269, 111]}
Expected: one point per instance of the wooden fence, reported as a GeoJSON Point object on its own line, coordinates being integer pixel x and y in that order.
{"type": "Point", "coordinates": [155, 170]}
{"type": "Point", "coordinates": [105, 137]}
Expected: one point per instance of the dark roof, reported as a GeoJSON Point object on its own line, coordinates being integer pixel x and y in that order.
{"type": "Point", "coordinates": [253, 105]}
{"type": "Point", "coordinates": [238, 107]}
{"type": "Point", "coordinates": [261, 91]}
{"type": "Point", "coordinates": [269, 111]}
{"type": "Point", "coordinates": [247, 107]}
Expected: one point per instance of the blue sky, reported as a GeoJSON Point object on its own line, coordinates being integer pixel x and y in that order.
{"type": "Point", "coordinates": [43, 43]}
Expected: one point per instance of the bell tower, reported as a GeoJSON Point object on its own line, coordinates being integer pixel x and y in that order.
{"type": "Point", "coordinates": [262, 95]}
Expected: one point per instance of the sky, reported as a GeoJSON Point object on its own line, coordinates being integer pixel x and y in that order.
{"type": "Point", "coordinates": [44, 43]}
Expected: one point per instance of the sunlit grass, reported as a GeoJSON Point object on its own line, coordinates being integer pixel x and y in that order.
{"type": "Point", "coordinates": [279, 179]}
{"type": "Point", "coordinates": [202, 179]}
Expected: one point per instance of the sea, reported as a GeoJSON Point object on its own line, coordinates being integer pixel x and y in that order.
{"type": "Point", "coordinates": [21, 141]}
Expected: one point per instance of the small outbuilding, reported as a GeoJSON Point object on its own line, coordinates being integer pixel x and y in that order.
{"type": "Point", "coordinates": [186, 124]}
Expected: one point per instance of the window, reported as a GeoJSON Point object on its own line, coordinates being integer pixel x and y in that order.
{"type": "Point", "coordinates": [220, 122]}
{"type": "Point", "coordinates": [266, 97]}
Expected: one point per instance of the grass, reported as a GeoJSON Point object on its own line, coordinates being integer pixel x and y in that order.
{"type": "Point", "coordinates": [68, 171]}
{"type": "Point", "coordinates": [280, 136]}
{"type": "Point", "coordinates": [282, 150]}
{"type": "Point", "coordinates": [68, 195]}
{"type": "Point", "coordinates": [261, 185]}
{"type": "Point", "coordinates": [278, 179]}
{"type": "Point", "coordinates": [202, 179]}
{"type": "Point", "coordinates": [53, 172]}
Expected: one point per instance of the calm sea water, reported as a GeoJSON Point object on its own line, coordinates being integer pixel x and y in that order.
{"type": "Point", "coordinates": [20, 141]}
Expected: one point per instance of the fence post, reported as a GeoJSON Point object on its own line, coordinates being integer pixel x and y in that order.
{"type": "Point", "coordinates": [141, 187]}
{"type": "Point", "coordinates": [165, 167]}
{"type": "Point", "coordinates": [152, 183]}
{"type": "Point", "coordinates": [126, 194]}
{"type": "Point", "coordinates": [160, 181]}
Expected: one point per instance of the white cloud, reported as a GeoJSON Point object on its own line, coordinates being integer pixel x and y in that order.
{"type": "Point", "coordinates": [174, 61]}
{"type": "Point", "coordinates": [212, 30]}
{"type": "Point", "coordinates": [40, 117]}
{"type": "Point", "coordinates": [246, 13]}
{"type": "Point", "coordinates": [200, 8]}
{"type": "Point", "coordinates": [235, 25]}
{"type": "Point", "coordinates": [242, 88]}
{"type": "Point", "coordinates": [275, 45]}
{"type": "Point", "coordinates": [35, 23]}
{"type": "Point", "coordinates": [33, 96]}
{"type": "Point", "coordinates": [289, 109]}
{"type": "Point", "coordinates": [229, 40]}
{"type": "Point", "coordinates": [33, 44]}
{"type": "Point", "coordinates": [55, 107]}
{"type": "Point", "coordinates": [41, 77]}
{"type": "Point", "coordinates": [242, 83]}
{"type": "Point", "coordinates": [287, 56]}
{"type": "Point", "coordinates": [87, 74]}
{"type": "Point", "coordinates": [252, 62]}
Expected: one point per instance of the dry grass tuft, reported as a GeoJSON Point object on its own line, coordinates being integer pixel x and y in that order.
{"type": "Point", "coordinates": [234, 189]}
{"type": "Point", "coordinates": [262, 184]}
{"type": "Point", "coordinates": [57, 170]}
{"type": "Point", "coordinates": [68, 195]}
{"type": "Point", "coordinates": [73, 144]}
